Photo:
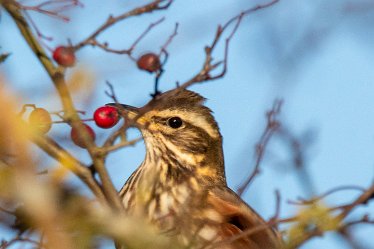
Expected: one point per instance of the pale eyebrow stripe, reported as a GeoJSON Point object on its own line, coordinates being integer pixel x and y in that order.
{"type": "Point", "coordinates": [192, 118]}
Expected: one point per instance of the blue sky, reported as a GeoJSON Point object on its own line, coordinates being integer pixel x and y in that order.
{"type": "Point", "coordinates": [316, 56]}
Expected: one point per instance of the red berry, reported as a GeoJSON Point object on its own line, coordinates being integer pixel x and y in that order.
{"type": "Point", "coordinates": [64, 56]}
{"type": "Point", "coordinates": [41, 120]}
{"type": "Point", "coordinates": [149, 62]}
{"type": "Point", "coordinates": [106, 117]}
{"type": "Point", "coordinates": [78, 138]}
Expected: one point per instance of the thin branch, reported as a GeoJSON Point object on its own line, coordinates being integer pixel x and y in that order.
{"type": "Point", "coordinates": [111, 93]}
{"type": "Point", "coordinates": [153, 6]}
{"type": "Point", "coordinates": [168, 41]}
{"type": "Point", "coordinates": [6, 244]}
{"type": "Point", "coordinates": [149, 28]}
{"type": "Point", "coordinates": [345, 233]}
{"type": "Point", "coordinates": [68, 161]}
{"type": "Point", "coordinates": [72, 117]}
{"type": "Point", "coordinates": [298, 150]}
{"type": "Point", "coordinates": [4, 210]}
{"type": "Point", "coordinates": [344, 210]}
{"type": "Point", "coordinates": [108, 145]}
{"type": "Point", "coordinates": [55, 74]}
{"type": "Point", "coordinates": [364, 220]}
{"type": "Point", "coordinates": [277, 208]}
{"type": "Point", "coordinates": [362, 199]}
{"type": "Point", "coordinates": [324, 195]}
{"type": "Point", "coordinates": [120, 145]}
{"type": "Point", "coordinates": [245, 233]}
{"type": "Point", "coordinates": [105, 46]}
{"type": "Point", "coordinates": [208, 65]}
{"type": "Point", "coordinates": [272, 126]}
{"type": "Point", "coordinates": [59, 6]}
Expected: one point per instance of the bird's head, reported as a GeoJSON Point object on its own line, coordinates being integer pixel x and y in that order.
{"type": "Point", "coordinates": [179, 129]}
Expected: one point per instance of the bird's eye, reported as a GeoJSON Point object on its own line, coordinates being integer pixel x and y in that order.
{"type": "Point", "coordinates": [175, 122]}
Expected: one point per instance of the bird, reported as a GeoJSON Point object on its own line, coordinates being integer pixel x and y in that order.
{"type": "Point", "coordinates": [181, 187]}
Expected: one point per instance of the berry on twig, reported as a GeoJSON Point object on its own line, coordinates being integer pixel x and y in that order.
{"type": "Point", "coordinates": [149, 62]}
{"type": "Point", "coordinates": [41, 120]}
{"type": "Point", "coordinates": [79, 139]}
{"type": "Point", "coordinates": [64, 56]}
{"type": "Point", "coordinates": [106, 117]}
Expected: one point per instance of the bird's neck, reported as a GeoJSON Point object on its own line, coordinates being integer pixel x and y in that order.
{"type": "Point", "coordinates": [164, 175]}
{"type": "Point", "coordinates": [172, 166]}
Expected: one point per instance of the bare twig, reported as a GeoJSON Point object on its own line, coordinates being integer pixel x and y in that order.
{"type": "Point", "coordinates": [272, 126]}
{"type": "Point", "coordinates": [165, 52]}
{"type": "Point", "coordinates": [315, 199]}
{"type": "Point", "coordinates": [111, 94]}
{"type": "Point", "coordinates": [150, 27]}
{"type": "Point", "coordinates": [105, 46]}
{"type": "Point", "coordinates": [4, 210]}
{"type": "Point", "coordinates": [298, 149]}
{"type": "Point", "coordinates": [120, 145]}
{"type": "Point", "coordinates": [307, 235]}
{"type": "Point", "coordinates": [153, 6]}
{"type": "Point", "coordinates": [344, 211]}
{"type": "Point", "coordinates": [168, 41]}
{"type": "Point", "coordinates": [19, 238]}
{"type": "Point", "coordinates": [3, 57]}
{"type": "Point", "coordinates": [277, 208]}
{"type": "Point", "coordinates": [24, 108]}
{"type": "Point", "coordinates": [346, 232]}
{"type": "Point", "coordinates": [362, 199]}
{"type": "Point", "coordinates": [61, 155]}
{"type": "Point", "coordinates": [52, 8]}
{"type": "Point", "coordinates": [55, 74]}
{"type": "Point", "coordinates": [71, 116]}
{"type": "Point", "coordinates": [209, 65]}
{"type": "Point", "coordinates": [246, 233]}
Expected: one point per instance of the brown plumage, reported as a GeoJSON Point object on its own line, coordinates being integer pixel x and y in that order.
{"type": "Point", "coordinates": [181, 186]}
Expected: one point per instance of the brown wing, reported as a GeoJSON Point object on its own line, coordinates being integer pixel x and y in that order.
{"type": "Point", "coordinates": [238, 217]}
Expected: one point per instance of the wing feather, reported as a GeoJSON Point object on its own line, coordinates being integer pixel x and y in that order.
{"type": "Point", "coordinates": [237, 218]}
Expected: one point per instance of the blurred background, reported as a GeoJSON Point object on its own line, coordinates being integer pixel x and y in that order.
{"type": "Point", "coordinates": [317, 56]}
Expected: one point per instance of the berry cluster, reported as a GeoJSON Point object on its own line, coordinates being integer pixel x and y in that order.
{"type": "Point", "coordinates": [105, 117]}
{"type": "Point", "coordinates": [65, 56]}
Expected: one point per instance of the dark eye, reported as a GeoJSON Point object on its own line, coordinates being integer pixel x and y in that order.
{"type": "Point", "coordinates": [175, 122]}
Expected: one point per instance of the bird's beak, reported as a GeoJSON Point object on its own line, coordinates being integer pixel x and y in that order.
{"type": "Point", "coordinates": [127, 111]}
